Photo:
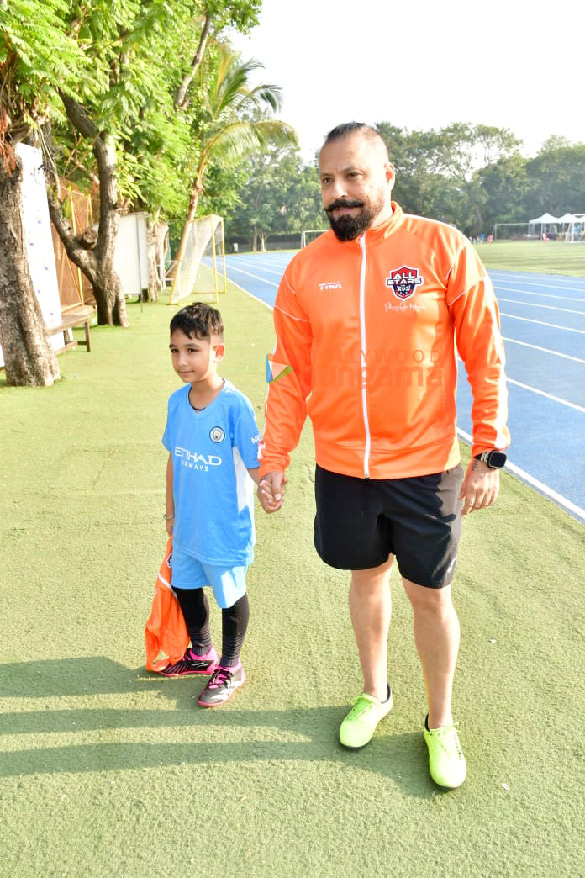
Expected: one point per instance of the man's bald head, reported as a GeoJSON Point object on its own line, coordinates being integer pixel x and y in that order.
{"type": "Point", "coordinates": [348, 129]}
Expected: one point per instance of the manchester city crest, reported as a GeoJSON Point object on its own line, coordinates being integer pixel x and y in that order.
{"type": "Point", "coordinates": [216, 434]}
{"type": "Point", "coordinates": [403, 281]}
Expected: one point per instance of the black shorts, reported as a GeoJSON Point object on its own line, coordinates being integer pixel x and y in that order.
{"type": "Point", "coordinates": [359, 522]}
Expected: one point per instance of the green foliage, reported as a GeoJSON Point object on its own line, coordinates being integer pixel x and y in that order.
{"type": "Point", "coordinates": [278, 194]}
{"type": "Point", "coordinates": [37, 57]}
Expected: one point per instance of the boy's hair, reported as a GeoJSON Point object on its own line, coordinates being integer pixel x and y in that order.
{"type": "Point", "coordinates": [198, 321]}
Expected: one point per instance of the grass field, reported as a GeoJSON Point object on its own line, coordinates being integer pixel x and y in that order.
{"type": "Point", "coordinates": [548, 257]}
{"type": "Point", "coordinates": [107, 770]}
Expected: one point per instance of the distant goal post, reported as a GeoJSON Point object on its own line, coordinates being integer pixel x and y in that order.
{"type": "Point", "coordinates": [308, 235]}
{"type": "Point", "coordinates": [200, 265]}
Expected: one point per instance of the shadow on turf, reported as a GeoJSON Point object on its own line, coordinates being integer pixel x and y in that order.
{"type": "Point", "coordinates": [400, 757]}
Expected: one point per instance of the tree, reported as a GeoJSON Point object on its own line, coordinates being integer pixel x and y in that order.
{"type": "Point", "coordinates": [504, 185]}
{"type": "Point", "coordinates": [278, 194]}
{"type": "Point", "coordinates": [556, 179]}
{"type": "Point", "coordinates": [233, 121]}
{"type": "Point", "coordinates": [143, 119]}
{"type": "Point", "coordinates": [35, 53]}
{"type": "Point", "coordinates": [436, 170]}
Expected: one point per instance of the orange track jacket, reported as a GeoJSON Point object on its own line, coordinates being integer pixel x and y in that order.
{"type": "Point", "coordinates": [369, 328]}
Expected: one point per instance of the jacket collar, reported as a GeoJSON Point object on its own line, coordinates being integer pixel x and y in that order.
{"type": "Point", "coordinates": [378, 234]}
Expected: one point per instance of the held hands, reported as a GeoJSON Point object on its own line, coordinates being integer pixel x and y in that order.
{"type": "Point", "coordinates": [271, 491]}
{"type": "Point", "coordinates": [480, 486]}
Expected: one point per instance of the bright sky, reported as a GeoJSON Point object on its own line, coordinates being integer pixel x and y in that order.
{"type": "Point", "coordinates": [425, 64]}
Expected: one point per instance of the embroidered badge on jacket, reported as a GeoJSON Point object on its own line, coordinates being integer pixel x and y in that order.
{"type": "Point", "coordinates": [404, 281]}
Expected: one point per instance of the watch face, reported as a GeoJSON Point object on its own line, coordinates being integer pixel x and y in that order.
{"type": "Point", "coordinates": [496, 459]}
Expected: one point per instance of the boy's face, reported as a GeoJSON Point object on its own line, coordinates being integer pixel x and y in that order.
{"type": "Point", "coordinates": [195, 359]}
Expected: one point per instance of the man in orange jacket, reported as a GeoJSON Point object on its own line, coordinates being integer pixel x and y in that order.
{"type": "Point", "coordinates": [367, 318]}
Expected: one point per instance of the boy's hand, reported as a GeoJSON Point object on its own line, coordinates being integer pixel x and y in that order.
{"type": "Point", "coordinates": [271, 491]}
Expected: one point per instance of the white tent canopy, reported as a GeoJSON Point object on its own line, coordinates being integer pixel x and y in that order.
{"type": "Point", "coordinates": [568, 218]}
{"type": "Point", "coordinates": [545, 219]}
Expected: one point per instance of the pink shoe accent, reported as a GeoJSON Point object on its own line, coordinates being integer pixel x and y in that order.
{"type": "Point", "coordinates": [211, 655]}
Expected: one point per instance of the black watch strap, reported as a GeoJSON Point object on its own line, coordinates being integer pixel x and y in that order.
{"type": "Point", "coordinates": [494, 459]}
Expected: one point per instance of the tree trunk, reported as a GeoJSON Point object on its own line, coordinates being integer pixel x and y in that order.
{"type": "Point", "coordinates": [194, 201]}
{"type": "Point", "coordinates": [98, 265]}
{"type": "Point", "coordinates": [105, 283]}
{"type": "Point", "coordinates": [181, 100]}
{"type": "Point", "coordinates": [161, 238]}
{"type": "Point", "coordinates": [156, 241]}
{"type": "Point", "coordinates": [29, 357]}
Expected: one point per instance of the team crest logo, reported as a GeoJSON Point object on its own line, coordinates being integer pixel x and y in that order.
{"type": "Point", "coordinates": [216, 434]}
{"type": "Point", "coordinates": [404, 281]}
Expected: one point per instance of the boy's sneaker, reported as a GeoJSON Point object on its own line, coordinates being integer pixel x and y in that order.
{"type": "Point", "coordinates": [359, 725]}
{"type": "Point", "coordinates": [446, 759]}
{"type": "Point", "coordinates": [191, 663]}
{"type": "Point", "coordinates": [221, 686]}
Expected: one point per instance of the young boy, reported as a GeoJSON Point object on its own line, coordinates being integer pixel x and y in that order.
{"type": "Point", "coordinates": [212, 439]}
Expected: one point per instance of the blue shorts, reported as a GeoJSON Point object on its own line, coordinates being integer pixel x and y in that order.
{"type": "Point", "coordinates": [228, 583]}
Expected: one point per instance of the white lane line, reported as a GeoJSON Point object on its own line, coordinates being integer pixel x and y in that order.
{"type": "Point", "coordinates": [252, 264]}
{"type": "Point", "coordinates": [541, 295]}
{"type": "Point", "coordinates": [248, 293]}
{"type": "Point", "coordinates": [543, 350]}
{"type": "Point", "coordinates": [539, 486]}
{"type": "Point", "coordinates": [269, 270]}
{"type": "Point", "coordinates": [538, 305]}
{"type": "Point", "coordinates": [555, 281]}
{"type": "Point", "coordinates": [571, 405]}
{"type": "Point", "coordinates": [256, 277]}
{"type": "Point", "coordinates": [543, 323]}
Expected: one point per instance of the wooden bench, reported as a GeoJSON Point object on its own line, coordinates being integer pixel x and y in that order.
{"type": "Point", "coordinates": [79, 315]}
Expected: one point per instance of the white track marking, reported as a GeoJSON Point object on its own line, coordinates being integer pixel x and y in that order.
{"type": "Point", "coordinates": [541, 295]}
{"type": "Point", "coordinates": [558, 399]}
{"type": "Point", "coordinates": [543, 489]}
{"type": "Point", "coordinates": [543, 350]}
{"type": "Point", "coordinates": [538, 305]}
{"type": "Point", "coordinates": [543, 323]}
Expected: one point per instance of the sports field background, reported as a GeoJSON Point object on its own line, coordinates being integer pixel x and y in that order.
{"type": "Point", "coordinates": [107, 770]}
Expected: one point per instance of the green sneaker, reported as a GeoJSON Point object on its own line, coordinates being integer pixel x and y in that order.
{"type": "Point", "coordinates": [446, 760]}
{"type": "Point", "coordinates": [359, 725]}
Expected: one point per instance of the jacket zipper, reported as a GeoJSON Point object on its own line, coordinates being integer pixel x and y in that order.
{"type": "Point", "coordinates": [363, 356]}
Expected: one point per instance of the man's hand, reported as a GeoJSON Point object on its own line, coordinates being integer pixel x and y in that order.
{"type": "Point", "coordinates": [271, 491]}
{"type": "Point", "coordinates": [480, 486]}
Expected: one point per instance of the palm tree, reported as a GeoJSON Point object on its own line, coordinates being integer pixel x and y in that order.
{"type": "Point", "coordinates": [237, 122]}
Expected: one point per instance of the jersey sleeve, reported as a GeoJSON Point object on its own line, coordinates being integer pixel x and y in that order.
{"type": "Point", "coordinates": [166, 439]}
{"type": "Point", "coordinates": [472, 301]}
{"type": "Point", "coordinates": [289, 380]}
{"type": "Point", "coordinates": [246, 434]}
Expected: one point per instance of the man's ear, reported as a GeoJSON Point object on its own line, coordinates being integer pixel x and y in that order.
{"type": "Point", "coordinates": [219, 351]}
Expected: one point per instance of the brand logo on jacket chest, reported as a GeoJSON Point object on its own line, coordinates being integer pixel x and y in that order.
{"type": "Point", "coordinates": [403, 281]}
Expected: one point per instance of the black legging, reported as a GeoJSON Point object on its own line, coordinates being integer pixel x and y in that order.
{"type": "Point", "coordinates": [234, 622]}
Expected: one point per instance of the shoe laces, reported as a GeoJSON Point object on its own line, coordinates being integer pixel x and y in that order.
{"type": "Point", "coordinates": [219, 678]}
{"type": "Point", "coordinates": [449, 739]}
{"type": "Point", "coordinates": [359, 705]}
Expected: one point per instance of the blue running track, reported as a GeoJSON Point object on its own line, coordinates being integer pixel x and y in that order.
{"type": "Point", "coordinates": [543, 324]}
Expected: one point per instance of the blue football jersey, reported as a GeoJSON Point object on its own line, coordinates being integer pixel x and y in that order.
{"type": "Point", "coordinates": [213, 493]}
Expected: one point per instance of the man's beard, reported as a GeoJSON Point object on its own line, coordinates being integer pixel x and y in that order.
{"type": "Point", "coordinates": [346, 227]}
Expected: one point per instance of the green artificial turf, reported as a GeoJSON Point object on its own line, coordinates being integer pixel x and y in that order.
{"type": "Point", "coordinates": [110, 771]}
{"type": "Point", "coordinates": [546, 257]}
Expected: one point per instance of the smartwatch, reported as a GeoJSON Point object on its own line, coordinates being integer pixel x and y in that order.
{"type": "Point", "coordinates": [494, 459]}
